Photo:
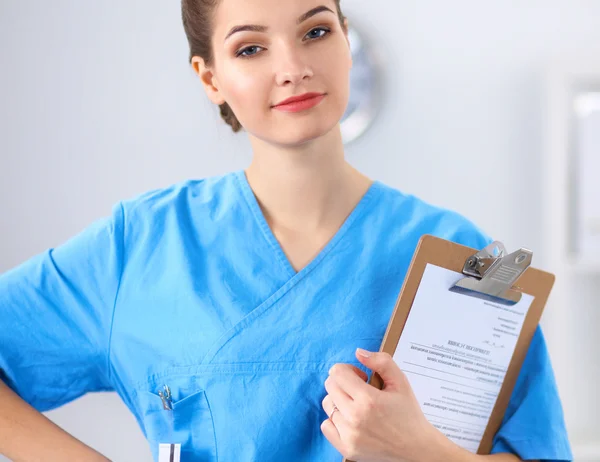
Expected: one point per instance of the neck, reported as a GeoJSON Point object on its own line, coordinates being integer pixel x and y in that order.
{"type": "Point", "coordinates": [307, 187]}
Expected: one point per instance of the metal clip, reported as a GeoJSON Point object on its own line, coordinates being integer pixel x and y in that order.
{"type": "Point", "coordinates": [166, 397]}
{"type": "Point", "coordinates": [491, 273]}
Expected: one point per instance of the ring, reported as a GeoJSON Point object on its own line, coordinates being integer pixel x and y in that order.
{"type": "Point", "coordinates": [335, 408]}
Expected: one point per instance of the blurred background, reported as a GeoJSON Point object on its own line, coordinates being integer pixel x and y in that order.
{"type": "Point", "coordinates": [487, 108]}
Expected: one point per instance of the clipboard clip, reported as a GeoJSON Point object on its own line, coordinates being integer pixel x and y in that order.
{"type": "Point", "coordinates": [491, 274]}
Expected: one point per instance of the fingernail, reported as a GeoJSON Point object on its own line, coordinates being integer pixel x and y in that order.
{"type": "Point", "coordinates": [365, 353]}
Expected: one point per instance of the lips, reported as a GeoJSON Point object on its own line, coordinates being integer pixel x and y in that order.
{"type": "Point", "coordinates": [295, 99]}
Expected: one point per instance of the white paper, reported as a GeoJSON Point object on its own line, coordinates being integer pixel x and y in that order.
{"type": "Point", "coordinates": [169, 452]}
{"type": "Point", "coordinates": [455, 350]}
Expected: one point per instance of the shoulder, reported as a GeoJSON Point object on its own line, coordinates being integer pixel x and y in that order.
{"type": "Point", "coordinates": [185, 207]}
{"type": "Point", "coordinates": [203, 191]}
{"type": "Point", "coordinates": [413, 216]}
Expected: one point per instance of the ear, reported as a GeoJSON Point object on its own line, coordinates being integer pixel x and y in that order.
{"type": "Point", "coordinates": [208, 79]}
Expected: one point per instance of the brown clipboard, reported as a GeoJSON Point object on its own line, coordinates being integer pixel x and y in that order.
{"type": "Point", "coordinates": [452, 256]}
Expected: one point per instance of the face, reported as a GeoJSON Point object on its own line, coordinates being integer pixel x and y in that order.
{"type": "Point", "coordinates": [266, 51]}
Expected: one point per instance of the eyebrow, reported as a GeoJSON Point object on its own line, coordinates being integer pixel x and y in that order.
{"type": "Point", "coordinates": [256, 28]}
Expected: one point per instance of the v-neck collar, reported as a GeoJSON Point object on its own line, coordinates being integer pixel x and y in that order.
{"type": "Point", "coordinates": [248, 194]}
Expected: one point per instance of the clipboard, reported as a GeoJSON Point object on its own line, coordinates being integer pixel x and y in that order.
{"type": "Point", "coordinates": [489, 274]}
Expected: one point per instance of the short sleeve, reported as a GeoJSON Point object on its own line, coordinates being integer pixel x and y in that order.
{"type": "Point", "coordinates": [533, 427]}
{"type": "Point", "coordinates": [56, 313]}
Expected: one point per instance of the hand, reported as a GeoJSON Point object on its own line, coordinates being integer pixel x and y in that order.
{"type": "Point", "coordinates": [377, 425]}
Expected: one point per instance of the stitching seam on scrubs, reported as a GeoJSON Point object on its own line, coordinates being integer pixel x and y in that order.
{"type": "Point", "coordinates": [212, 421]}
{"type": "Point", "coordinates": [258, 311]}
{"type": "Point", "coordinates": [238, 369]}
{"type": "Point", "coordinates": [261, 309]}
{"type": "Point", "coordinates": [267, 234]}
{"type": "Point", "coordinates": [112, 320]}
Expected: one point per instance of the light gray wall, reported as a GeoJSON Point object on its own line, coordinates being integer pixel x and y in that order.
{"type": "Point", "coordinates": [97, 103]}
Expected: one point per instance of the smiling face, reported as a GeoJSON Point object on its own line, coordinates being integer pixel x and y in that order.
{"type": "Point", "coordinates": [267, 51]}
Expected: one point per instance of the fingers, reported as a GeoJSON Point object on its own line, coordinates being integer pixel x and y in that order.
{"type": "Point", "coordinates": [328, 404]}
{"type": "Point", "coordinates": [338, 396]}
{"type": "Point", "coordinates": [329, 428]}
{"type": "Point", "coordinates": [342, 378]}
{"type": "Point", "coordinates": [350, 380]}
{"type": "Point", "coordinates": [362, 374]}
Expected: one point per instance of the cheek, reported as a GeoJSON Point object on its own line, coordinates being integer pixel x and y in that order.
{"type": "Point", "coordinates": [242, 90]}
{"type": "Point", "coordinates": [344, 66]}
{"type": "Point", "coordinates": [335, 67]}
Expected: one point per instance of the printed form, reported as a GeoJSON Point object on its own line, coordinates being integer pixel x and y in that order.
{"type": "Point", "coordinates": [455, 350]}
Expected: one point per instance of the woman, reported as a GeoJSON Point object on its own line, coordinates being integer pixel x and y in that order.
{"type": "Point", "coordinates": [226, 312]}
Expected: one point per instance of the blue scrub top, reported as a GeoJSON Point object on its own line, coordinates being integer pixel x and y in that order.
{"type": "Point", "coordinates": [187, 287]}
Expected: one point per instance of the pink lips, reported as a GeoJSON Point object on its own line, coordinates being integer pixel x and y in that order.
{"type": "Point", "coordinates": [300, 103]}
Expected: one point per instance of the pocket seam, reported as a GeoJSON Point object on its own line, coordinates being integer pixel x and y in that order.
{"type": "Point", "coordinates": [175, 403]}
{"type": "Point", "coordinates": [180, 405]}
{"type": "Point", "coordinates": [212, 420]}
{"type": "Point", "coordinates": [238, 368]}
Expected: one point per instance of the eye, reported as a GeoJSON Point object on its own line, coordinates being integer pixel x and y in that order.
{"type": "Point", "coordinates": [317, 33]}
{"type": "Point", "coordinates": [248, 51]}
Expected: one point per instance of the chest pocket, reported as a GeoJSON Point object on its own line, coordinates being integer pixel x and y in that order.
{"type": "Point", "coordinates": [189, 422]}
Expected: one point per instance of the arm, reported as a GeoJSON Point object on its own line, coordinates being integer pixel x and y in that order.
{"type": "Point", "coordinates": [444, 449]}
{"type": "Point", "coordinates": [56, 312]}
{"type": "Point", "coordinates": [27, 435]}
{"type": "Point", "coordinates": [451, 452]}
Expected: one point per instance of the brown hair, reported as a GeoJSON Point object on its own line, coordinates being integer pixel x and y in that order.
{"type": "Point", "coordinates": [197, 22]}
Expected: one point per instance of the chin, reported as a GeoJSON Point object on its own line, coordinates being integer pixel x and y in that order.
{"type": "Point", "coordinates": [297, 136]}
{"type": "Point", "coordinates": [297, 132]}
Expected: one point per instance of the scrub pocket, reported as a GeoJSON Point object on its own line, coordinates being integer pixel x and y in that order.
{"type": "Point", "coordinates": [189, 424]}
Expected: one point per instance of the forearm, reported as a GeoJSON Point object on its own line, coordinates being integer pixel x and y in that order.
{"type": "Point", "coordinates": [450, 452]}
{"type": "Point", "coordinates": [26, 435]}
{"type": "Point", "coordinates": [466, 456]}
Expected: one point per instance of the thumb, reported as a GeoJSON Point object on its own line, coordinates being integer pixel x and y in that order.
{"type": "Point", "coordinates": [384, 365]}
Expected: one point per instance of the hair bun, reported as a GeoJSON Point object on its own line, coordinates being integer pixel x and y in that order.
{"type": "Point", "coordinates": [229, 117]}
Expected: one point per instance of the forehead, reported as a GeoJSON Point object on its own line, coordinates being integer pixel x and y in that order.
{"type": "Point", "coordinates": [230, 13]}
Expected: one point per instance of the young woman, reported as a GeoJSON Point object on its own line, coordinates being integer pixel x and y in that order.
{"type": "Point", "coordinates": [226, 312]}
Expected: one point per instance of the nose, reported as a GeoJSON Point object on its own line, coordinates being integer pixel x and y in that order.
{"type": "Point", "coordinates": [292, 69]}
